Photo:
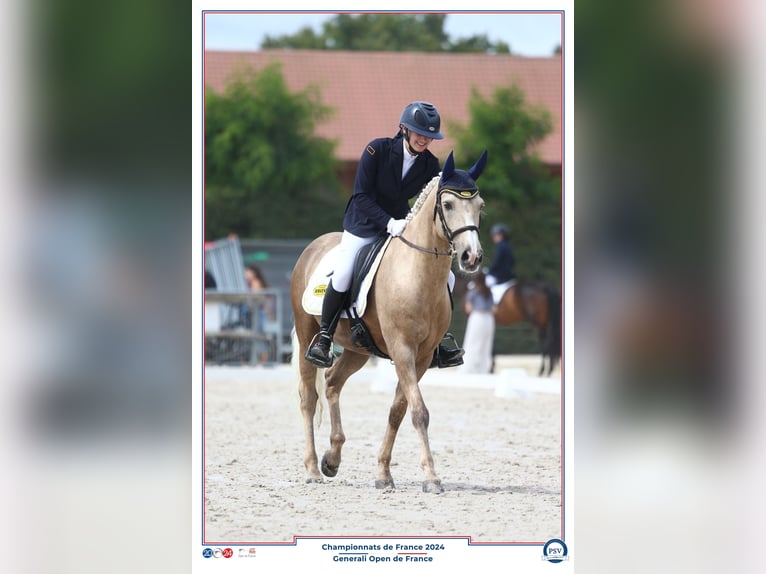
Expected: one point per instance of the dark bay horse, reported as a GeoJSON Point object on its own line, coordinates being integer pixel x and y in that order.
{"type": "Point", "coordinates": [540, 306]}
{"type": "Point", "coordinates": [408, 313]}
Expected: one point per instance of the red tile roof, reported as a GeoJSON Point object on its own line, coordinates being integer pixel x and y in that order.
{"type": "Point", "coordinates": [369, 89]}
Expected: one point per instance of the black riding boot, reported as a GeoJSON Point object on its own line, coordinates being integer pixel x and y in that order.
{"type": "Point", "coordinates": [447, 357]}
{"type": "Point", "coordinates": [320, 352]}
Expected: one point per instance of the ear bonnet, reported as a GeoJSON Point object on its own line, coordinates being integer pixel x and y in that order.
{"type": "Point", "coordinates": [460, 182]}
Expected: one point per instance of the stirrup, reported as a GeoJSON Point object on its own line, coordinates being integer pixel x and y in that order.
{"type": "Point", "coordinates": [316, 354]}
{"type": "Point", "coordinates": [445, 357]}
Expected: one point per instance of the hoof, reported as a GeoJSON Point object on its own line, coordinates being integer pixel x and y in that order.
{"type": "Point", "coordinates": [433, 486]}
{"type": "Point", "coordinates": [314, 480]}
{"type": "Point", "coordinates": [383, 484]}
{"type": "Point", "coordinates": [327, 468]}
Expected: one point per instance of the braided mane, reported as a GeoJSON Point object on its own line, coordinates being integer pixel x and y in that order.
{"type": "Point", "coordinates": [423, 196]}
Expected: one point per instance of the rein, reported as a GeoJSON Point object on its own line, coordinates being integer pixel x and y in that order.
{"type": "Point", "coordinates": [448, 233]}
{"type": "Point", "coordinates": [433, 251]}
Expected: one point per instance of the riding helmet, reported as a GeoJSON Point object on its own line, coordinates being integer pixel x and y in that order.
{"type": "Point", "coordinates": [422, 118]}
{"type": "Point", "coordinates": [500, 228]}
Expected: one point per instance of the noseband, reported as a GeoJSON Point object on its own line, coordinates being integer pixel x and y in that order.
{"type": "Point", "coordinates": [449, 234]}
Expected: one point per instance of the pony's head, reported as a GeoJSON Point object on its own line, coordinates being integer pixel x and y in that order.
{"type": "Point", "coordinates": [458, 206]}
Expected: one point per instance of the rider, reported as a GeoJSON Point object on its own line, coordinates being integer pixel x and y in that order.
{"type": "Point", "coordinates": [391, 171]}
{"type": "Point", "coordinates": [503, 261]}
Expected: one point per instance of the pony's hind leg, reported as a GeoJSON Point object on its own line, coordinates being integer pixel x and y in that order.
{"type": "Point", "coordinates": [543, 338]}
{"type": "Point", "coordinates": [307, 390]}
{"type": "Point", "coordinates": [395, 417]}
{"type": "Point", "coordinates": [347, 364]}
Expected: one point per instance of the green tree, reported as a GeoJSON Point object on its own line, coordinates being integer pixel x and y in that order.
{"type": "Point", "coordinates": [478, 44]}
{"type": "Point", "coordinates": [385, 32]}
{"type": "Point", "coordinates": [518, 188]}
{"type": "Point", "coordinates": [266, 173]}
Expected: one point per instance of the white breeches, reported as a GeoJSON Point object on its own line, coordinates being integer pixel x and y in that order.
{"type": "Point", "coordinates": [349, 246]}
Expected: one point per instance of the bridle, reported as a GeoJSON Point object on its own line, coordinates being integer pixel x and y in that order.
{"type": "Point", "coordinates": [449, 234]}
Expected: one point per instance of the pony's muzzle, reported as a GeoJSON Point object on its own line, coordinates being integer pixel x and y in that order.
{"type": "Point", "coordinates": [470, 259]}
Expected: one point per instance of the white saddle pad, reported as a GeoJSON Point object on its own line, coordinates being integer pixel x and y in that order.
{"type": "Point", "coordinates": [499, 290]}
{"type": "Point", "coordinates": [313, 295]}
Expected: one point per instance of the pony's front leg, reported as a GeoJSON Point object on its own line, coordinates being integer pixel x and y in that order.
{"type": "Point", "coordinates": [409, 375]}
{"type": "Point", "coordinates": [309, 396]}
{"type": "Point", "coordinates": [420, 419]}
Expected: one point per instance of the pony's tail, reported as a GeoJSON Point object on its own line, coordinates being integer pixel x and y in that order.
{"type": "Point", "coordinates": [554, 325]}
{"type": "Point", "coordinates": [318, 379]}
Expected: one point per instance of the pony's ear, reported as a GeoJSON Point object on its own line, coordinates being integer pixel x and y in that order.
{"type": "Point", "coordinates": [478, 167]}
{"type": "Point", "coordinates": [449, 167]}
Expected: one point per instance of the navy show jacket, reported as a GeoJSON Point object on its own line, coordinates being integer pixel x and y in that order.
{"type": "Point", "coordinates": [503, 262]}
{"type": "Point", "coordinates": [379, 191]}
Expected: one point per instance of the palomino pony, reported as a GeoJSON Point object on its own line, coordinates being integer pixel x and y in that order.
{"type": "Point", "coordinates": [407, 314]}
{"type": "Point", "coordinates": [540, 306]}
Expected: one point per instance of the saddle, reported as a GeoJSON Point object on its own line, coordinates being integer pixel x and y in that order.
{"type": "Point", "coordinates": [365, 267]}
{"type": "Point", "coordinates": [499, 290]}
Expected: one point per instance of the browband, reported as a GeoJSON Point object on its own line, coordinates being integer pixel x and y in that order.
{"type": "Point", "coordinates": [461, 193]}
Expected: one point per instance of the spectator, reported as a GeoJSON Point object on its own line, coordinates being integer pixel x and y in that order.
{"type": "Point", "coordinates": [480, 327]}
{"type": "Point", "coordinates": [254, 278]}
{"type": "Point", "coordinates": [265, 308]}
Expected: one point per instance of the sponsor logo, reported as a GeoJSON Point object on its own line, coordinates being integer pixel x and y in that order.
{"type": "Point", "coordinates": [246, 553]}
{"type": "Point", "coordinates": [319, 290]}
{"type": "Point", "coordinates": [217, 553]}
